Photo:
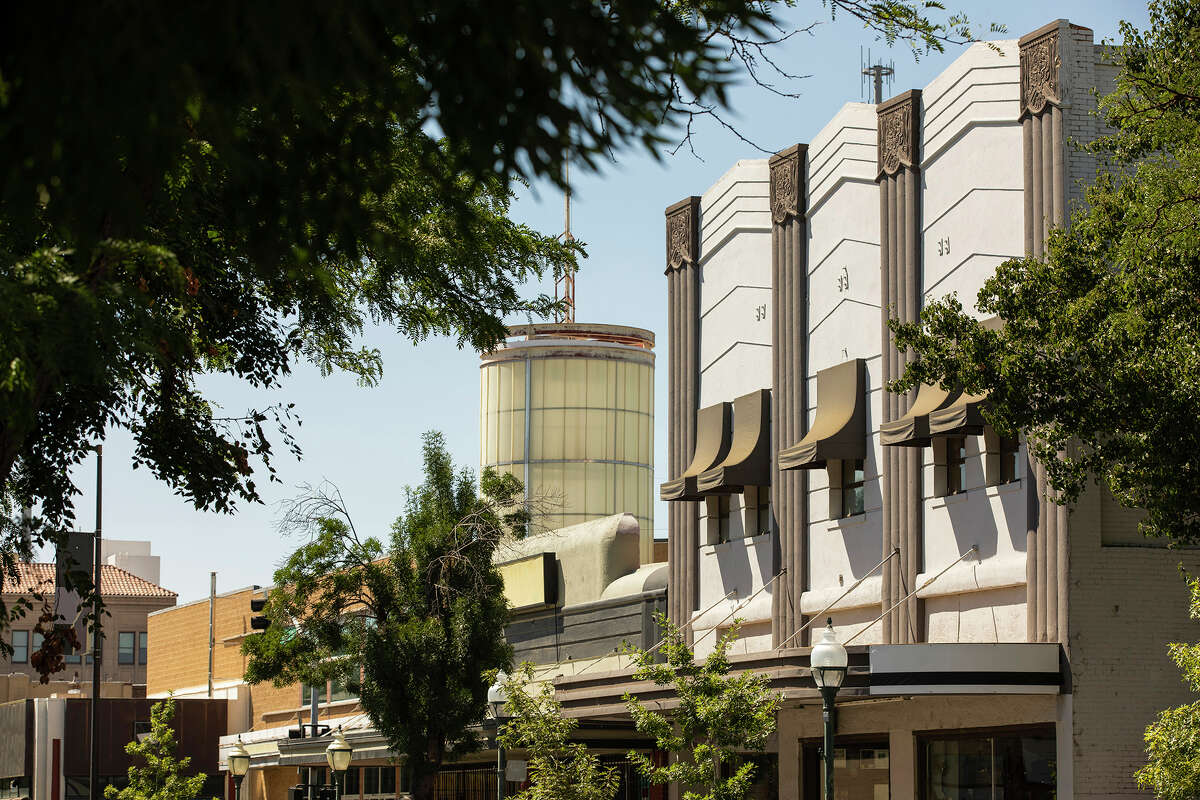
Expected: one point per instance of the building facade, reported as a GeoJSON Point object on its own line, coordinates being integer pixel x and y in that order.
{"type": "Point", "coordinates": [125, 648]}
{"type": "Point", "coordinates": [988, 626]}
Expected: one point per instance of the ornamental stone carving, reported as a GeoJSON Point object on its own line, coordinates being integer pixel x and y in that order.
{"type": "Point", "coordinates": [787, 184]}
{"type": "Point", "coordinates": [682, 236]}
{"type": "Point", "coordinates": [1040, 66]}
{"type": "Point", "coordinates": [898, 135]}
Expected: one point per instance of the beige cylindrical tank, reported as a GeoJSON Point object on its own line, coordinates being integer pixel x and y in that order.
{"type": "Point", "coordinates": [569, 409]}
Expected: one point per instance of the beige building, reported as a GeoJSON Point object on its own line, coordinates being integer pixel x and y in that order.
{"type": "Point", "coordinates": [126, 647]}
{"type": "Point", "coordinates": [1001, 646]}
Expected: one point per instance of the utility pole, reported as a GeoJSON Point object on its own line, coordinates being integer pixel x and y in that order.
{"type": "Point", "coordinates": [94, 705]}
{"type": "Point", "coordinates": [212, 601]}
{"type": "Point", "coordinates": [564, 286]}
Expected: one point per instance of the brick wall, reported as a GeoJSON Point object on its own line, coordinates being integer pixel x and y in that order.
{"type": "Point", "coordinates": [1126, 604]}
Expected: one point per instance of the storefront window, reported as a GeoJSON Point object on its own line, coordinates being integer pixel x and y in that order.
{"type": "Point", "coordinates": [999, 766]}
{"type": "Point", "coordinates": [860, 770]}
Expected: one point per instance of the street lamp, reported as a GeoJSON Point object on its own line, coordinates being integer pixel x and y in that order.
{"type": "Point", "coordinates": [828, 665]}
{"type": "Point", "coordinates": [338, 755]}
{"type": "Point", "coordinates": [238, 761]}
{"type": "Point", "coordinates": [496, 698]}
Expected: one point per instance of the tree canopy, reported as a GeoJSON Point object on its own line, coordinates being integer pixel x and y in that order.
{"type": "Point", "coordinates": [415, 626]}
{"type": "Point", "coordinates": [1099, 357]}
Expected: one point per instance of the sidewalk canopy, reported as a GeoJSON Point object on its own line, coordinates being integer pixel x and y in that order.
{"type": "Point", "coordinates": [712, 445]}
{"type": "Point", "coordinates": [749, 459]}
{"type": "Point", "coordinates": [840, 430]}
{"type": "Point", "coordinates": [912, 429]}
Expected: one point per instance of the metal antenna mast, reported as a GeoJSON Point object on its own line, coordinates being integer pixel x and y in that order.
{"type": "Point", "coordinates": [564, 285]}
{"type": "Point", "coordinates": [877, 72]}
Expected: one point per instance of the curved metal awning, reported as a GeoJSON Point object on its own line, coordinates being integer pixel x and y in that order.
{"type": "Point", "coordinates": [749, 460]}
{"type": "Point", "coordinates": [912, 429]}
{"type": "Point", "coordinates": [963, 417]}
{"type": "Point", "coordinates": [840, 430]}
{"type": "Point", "coordinates": [712, 446]}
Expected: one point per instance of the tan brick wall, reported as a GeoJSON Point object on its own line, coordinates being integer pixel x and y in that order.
{"type": "Point", "coordinates": [179, 656]}
{"type": "Point", "coordinates": [1126, 604]}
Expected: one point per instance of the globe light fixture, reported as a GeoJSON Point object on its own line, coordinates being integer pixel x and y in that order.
{"type": "Point", "coordinates": [496, 697]}
{"type": "Point", "coordinates": [828, 662]}
{"type": "Point", "coordinates": [238, 764]}
{"type": "Point", "coordinates": [339, 752]}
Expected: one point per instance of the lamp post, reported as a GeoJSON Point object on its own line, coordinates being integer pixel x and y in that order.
{"type": "Point", "coordinates": [828, 664]}
{"type": "Point", "coordinates": [239, 763]}
{"type": "Point", "coordinates": [496, 698]}
{"type": "Point", "coordinates": [338, 754]}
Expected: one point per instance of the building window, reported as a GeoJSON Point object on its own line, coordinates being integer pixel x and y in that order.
{"type": "Point", "coordinates": [956, 465]}
{"type": "Point", "coordinates": [763, 515]}
{"type": "Point", "coordinates": [723, 519]}
{"type": "Point", "coordinates": [852, 488]}
{"type": "Point", "coordinates": [125, 642]}
{"type": "Point", "coordinates": [143, 641]}
{"type": "Point", "coordinates": [351, 782]}
{"type": "Point", "coordinates": [20, 647]}
{"type": "Point", "coordinates": [1018, 764]}
{"type": "Point", "coordinates": [1010, 459]}
{"type": "Point", "coordinates": [308, 690]}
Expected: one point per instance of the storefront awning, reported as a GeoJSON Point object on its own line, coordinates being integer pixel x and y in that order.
{"type": "Point", "coordinates": [749, 459]}
{"type": "Point", "coordinates": [963, 417]}
{"type": "Point", "coordinates": [912, 429]}
{"type": "Point", "coordinates": [712, 446]}
{"type": "Point", "coordinates": [840, 428]}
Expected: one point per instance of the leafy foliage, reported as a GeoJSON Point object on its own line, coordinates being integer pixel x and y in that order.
{"type": "Point", "coordinates": [719, 718]}
{"type": "Point", "coordinates": [559, 769]}
{"type": "Point", "coordinates": [1172, 770]}
{"type": "Point", "coordinates": [1101, 344]}
{"type": "Point", "coordinates": [415, 626]}
{"type": "Point", "coordinates": [163, 776]}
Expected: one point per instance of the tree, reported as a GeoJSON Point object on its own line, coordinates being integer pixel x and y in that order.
{"type": "Point", "coordinates": [719, 718]}
{"type": "Point", "coordinates": [163, 777]}
{"type": "Point", "coordinates": [559, 769]}
{"type": "Point", "coordinates": [1172, 769]}
{"type": "Point", "coordinates": [414, 627]}
{"type": "Point", "coordinates": [1098, 360]}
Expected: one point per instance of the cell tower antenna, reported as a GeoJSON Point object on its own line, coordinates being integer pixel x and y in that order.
{"type": "Point", "coordinates": [876, 72]}
{"type": "Point", "coordinates": [564, 285]}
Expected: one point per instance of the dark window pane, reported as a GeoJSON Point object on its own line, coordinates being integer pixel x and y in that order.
{"type": "Point", "coordinates": [125, 647]}
{"type": "Point", "coordinates": [370, 780]}
{"type": "Point", "coordinates": [1010, 459]}
{"type": "Point", "coordinates": [351, 787]}
{"type": "Point", "coordinates": [764, 515]}
{"type": "Point", "coordinates": [852, 488]}
{"type": "Point", "coordinates": [956, 465]}
{"type": "Point", "coordinates": [142, 642]}
{"type": "Point", "coordinates": [340, 691]}
{"type": "Point", "coordinates": [20, 646]}
{"type": "Point", "coordinates": [723, 519]}
{"type": "Point", "coordinates": [387, 780]}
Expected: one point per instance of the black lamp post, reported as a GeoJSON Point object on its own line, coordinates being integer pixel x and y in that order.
{"type": "Point", "coordinates": [496, 699]}
{"type": "Point", "coordinates": [338, 754]}
{"type": "Point", "coordinates": [239, 763]}
{"type": "Point", "coordinates": [828, 663]}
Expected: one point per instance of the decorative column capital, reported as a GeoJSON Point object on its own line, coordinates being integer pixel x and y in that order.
{"type": "Point", "coordinates": [683, 234]}
{"type": "Point", "coordinates": [1041, 69]}
{"type": "Point", "coordinates": [787, 184]}
{"type": "Point", "coordinates": [899, 142]}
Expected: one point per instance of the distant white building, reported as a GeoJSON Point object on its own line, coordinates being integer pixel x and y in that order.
{"type": "Point", "coordinates": [131, 556]}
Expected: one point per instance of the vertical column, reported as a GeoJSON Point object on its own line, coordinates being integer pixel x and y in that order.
{"type": "Point", "coordinates": [683, 257]}
{"type": "Point", "coordinates": [789, 305]}
{"type": "Point", "coordinates": [1043, 142]}
{"type": "Point", "coordinates": [899, 178]}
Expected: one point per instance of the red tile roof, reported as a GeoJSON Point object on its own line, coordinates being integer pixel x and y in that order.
{"type": "Point", "coordinates": [114, 582]}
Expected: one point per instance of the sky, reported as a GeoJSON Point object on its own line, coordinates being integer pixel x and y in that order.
{"type": "Point", "coordinates": [366, 441]}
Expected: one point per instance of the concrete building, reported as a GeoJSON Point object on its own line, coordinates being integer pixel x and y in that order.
{"type": "Point", "coordinates": [132, 556]}
{"type": "Point", "coordinates": [129, 600]}
{"type": "Point", "coordinates": [568, 408]}
{"type": "Point", "coordinates": [995, 637]}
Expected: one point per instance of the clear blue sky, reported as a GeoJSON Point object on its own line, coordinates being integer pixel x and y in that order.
{"type": "Point", "coordinates": [367, 440]}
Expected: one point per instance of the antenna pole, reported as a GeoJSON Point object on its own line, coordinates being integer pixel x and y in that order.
{"type": "Point", "coordinates": [564, 286]}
